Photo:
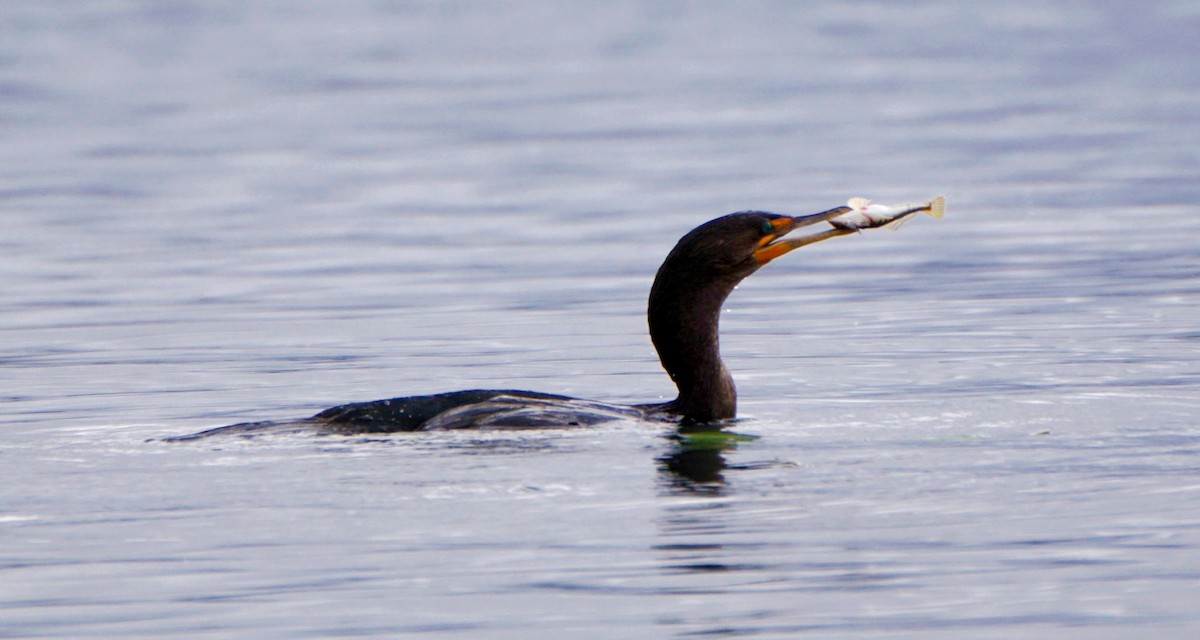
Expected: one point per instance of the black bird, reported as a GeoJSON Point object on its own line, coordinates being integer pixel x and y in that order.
{"type": "Point", "coordinates": [684, 310]}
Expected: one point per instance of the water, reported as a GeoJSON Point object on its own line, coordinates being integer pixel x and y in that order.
{"type": "Point", "coordinates": [981, 427]}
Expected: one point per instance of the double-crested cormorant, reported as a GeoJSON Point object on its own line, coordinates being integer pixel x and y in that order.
{"type": "Point", "coordinates": [684, 310]}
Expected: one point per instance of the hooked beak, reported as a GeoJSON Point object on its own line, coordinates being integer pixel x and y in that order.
{"type": "Point", "coordinates": [771, 246]}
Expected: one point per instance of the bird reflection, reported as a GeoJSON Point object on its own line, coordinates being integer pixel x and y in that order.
{"type": "Point", "coordinates": [696, 463]}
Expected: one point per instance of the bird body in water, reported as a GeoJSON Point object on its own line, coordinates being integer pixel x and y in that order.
{"type": "Point", "coordinates": [683, 313]}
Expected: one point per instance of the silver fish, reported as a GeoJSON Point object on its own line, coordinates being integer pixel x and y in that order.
{"type": "Point", "coordinates": [865, 215]}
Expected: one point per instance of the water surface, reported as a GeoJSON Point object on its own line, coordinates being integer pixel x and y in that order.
{"type": "Point", "coordinates": [217, 212]}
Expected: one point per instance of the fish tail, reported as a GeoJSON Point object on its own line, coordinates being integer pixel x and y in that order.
{"type": "Point", "coordinates": [937, 207]}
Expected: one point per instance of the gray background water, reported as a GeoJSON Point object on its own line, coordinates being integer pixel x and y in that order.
{"type": "Point", "coordinates": [982, 427]}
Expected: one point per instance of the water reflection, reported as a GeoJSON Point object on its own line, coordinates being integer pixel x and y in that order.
{"type": "Point", "coordinates": [704, 549]}
{"type": "Point", "coordinates": [694, 470]}
{"type": "Point", "coordinates": [695, 463]}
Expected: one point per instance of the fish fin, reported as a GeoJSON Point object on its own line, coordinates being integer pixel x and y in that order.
{"type": "Point", "coordinates": [858, 204]}
{"type": "Point", "coordinates": [937, 207]}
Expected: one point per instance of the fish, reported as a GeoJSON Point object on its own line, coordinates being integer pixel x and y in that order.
{"type": "Point", "coordinates": [866, 215]}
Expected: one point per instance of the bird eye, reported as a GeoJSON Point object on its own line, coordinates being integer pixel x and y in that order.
{"type": "Point", "coordinates": [767, 227]}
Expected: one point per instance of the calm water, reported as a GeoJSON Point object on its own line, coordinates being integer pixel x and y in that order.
{"type": "Point", "coordinates": [984, 427]}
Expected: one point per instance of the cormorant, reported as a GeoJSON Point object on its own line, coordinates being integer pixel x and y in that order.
{"type": "Point", "coordinates": [683, 313]}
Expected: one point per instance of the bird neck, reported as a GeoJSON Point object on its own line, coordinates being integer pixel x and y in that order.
{"type": "Point", "coordinates": [684, 315]}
